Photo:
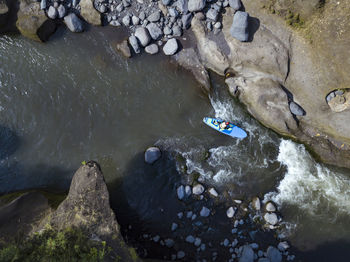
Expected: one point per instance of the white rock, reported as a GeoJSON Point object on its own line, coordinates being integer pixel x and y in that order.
{"type": "Point", "coordinates": [188, 191]}
{"type": "Point", "coordinates": [180, 192]}
{"type": "Point", "coordinates": [170, 47]}
{"type": "Point", "coordinates": [256, 203]}
{"type": "Point", "coordinates": [198, 189]}
{"type": "Point", "coordinates": [230, 212]}
{"type": "Point", "coordinates": [270, 207]}
{"type": "Point", "coordinates": [205, 212]}
{"type": "Point", "coordinates": [142, 35]}
{"type": "Point", "coordinates": [238, 201]}
{"type": "Point", "coordinates": [152, 154]}
{"type": "Point", "coordinates": [271, 218]}
{"type": "Point", "coordinates": [152, 49]}
{"type": "Point", "coordinates": [213, 192]}
{"type": "Point", "coordinates": [52, 12]}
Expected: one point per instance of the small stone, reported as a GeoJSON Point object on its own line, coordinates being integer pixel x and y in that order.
{"type": "Point", "coordinates": [196, 5]}
{"type": "Point", "coordinates": [197, 242]}
{"type": "Point", "coordinates": [170, 47]}
{"type": "Point", "coordinates": [142, 15]}
{"type": "Point", "coordinates": [156, 238]}
{"type": "Point", "coordinates": [180, 254]}
{"type": "Point", "coordinates": [234, 243]}
{"type": "Point", "coordinates": [226, 242]}
{"type": "Point", "coordinates": [194, 216]}
{"type": "Point", "coordinates": [270, 207]}
{"type": "Point", "coordinates": [73, 23]}
{"type": "Point", "coordinates": [167, 30]}
{"type": "Point", "coordinates": [173, 12]}
{"type": "Point", "coordinates": [52, 12]}
{"type": "Point", "coordinates": [152, 154]}
{"type": "Point", "coordinates": [134, 44]}
{"type": "Point", "coordinates": [180, 215]}
{"type": "Point", "coordinates": [115, 23]}
{"type": "Point", "coordinates": [152, 49]}
{"type": "Point", "coordinates": [205, 212]}
{"type": "Point", "coordinates": [213, 192]}
{"type": "Point", "coordinates": [235, 4]}
{"type": "Point", "coordinates": [186, 20]}
{"type": "Point", "coordinates": [135, 20]}
{"type": "Point", "coordinates": [200, 16]}
{"type": "Point", "coordinates": [296, 109]}
{"type": "Point", "coordinates": [124, 48]}
{"type": "Point", "coordinates": [174, 226]}
{"type": "Point", "coordinates": [237, 201]}
{"type": "Point", "coordinates": [43, 4]}
{"type": "Point", "coordinates": [256, 203]}
{"type": "Point", "coordinates": [177, 31]}
{"type": "Point", "coordinates": [274, 254]}
{"type": "Point", "coordinates": [188, 191]}
{"type": "Point", "coordinates": [190, 239]}
{"type": "Point", "coordinates": [169, 242]}
{"type": "Point", "coordinates": [126, 3]}
{"type": "Point", "coordinates": [180, 192]}
{"type": "Point", "coordinates": [120, 7]}
{"type": "Point", "coordinates": [271, 218]}
{"type": "Point", "coordinates": [61, 11]}
{"type": "Point", "coordinates": [260, 253]}
{"type": "Point", "coordinates": [154, 31]}
{"type": "Point", "coordinates": [212, 14]}
{"type": "Point", "coordinates": [198, 189]}
{"type": "Point", "coordinates": [154, 17]}
{"type": "Point", "coordinates": [55, 4]}
{"type": "Point", "coordinates": [202, 247]}
{"type": "Point", "coordinates": [217, 25]}
{"type": "Point", "coordinates": [230, 212]}
{"type": "Point", "coordinates": [283, 246]}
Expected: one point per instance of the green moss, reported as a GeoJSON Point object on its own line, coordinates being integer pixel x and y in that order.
{"type": "Point", "coordinates": [67, 245]}
{"type": "Point", "coordinates": [133, 254]}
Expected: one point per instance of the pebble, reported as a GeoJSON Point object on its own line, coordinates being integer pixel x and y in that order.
{"type": "Point", "coordinates": [271, 218]}
{"type": "Point", "coordinates": [180, 254]}
{"type": "Point", "coordinates": [180, 192]}
{"type": "Point", "coordinates": [152, 154]}
{"type": "Point", "coordinates": [154, 17]}
{"type": "Point", "coordinates": [256, 203]}
{"type": "Point", "coordinates": [134, 44]}
{"type": "Point", "coordinates": [213, 192]}
{"type": "Point", "coordinates": [202, 247]}
{"type": "Point", "coordinates": [198, 189]}
{"type": "Point", "coordinates": [189, 214]}
{"type": "Point", "coordinates": [205, 212]}
{"type": "Point", "coordinates": [174, 226]}
{"type": "Point", "coordinates": [180, 215]}
{"type": "Point", "coordinates": [156, 238]}
{"type": "Point", "coordinates": [169, 242]}
{"type": "Point", "coordinates": [283, 246]}
{"type": "Point", "coordinates": [254, 245]}
{"type": "Point", "coordinates": [197, 242]}
{"type": "Point", "coordinates": [190, 239]}
{"type": "Point", "coordinates": [230, 212]}
{"type": "Point", "coordinates": [52, 12]}
{"type": "Point", "coordinates": [170, 47]}
{"type": "Point", "coordinates": [188, 191]}
{"type": "Point", "coordinates": [135, 20]}
{"type": "Point", "coordinates": [226, 242]}
{"type": "Point", "coordinates": [126, 20]}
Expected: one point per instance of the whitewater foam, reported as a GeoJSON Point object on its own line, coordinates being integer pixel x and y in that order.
{"type": "Point", "coordinates": [309, 185]}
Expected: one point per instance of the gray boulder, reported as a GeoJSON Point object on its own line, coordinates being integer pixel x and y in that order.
{"type": "Point", "coordinates": [73, 23]}
{"type": "Point", "coordinates": [142, 35]}
{"type": "Point", "coordinates": [152, 49]}
{"type": "Point", "coordinates": [52, 12]}
{"type": "Point", "coordinates": [235, 4]}
{"type": "Point", "coordinates": [274, 254]}
{"type": "Point", "coordinates": [239, 28]}
{"type": "Point", "coordinates": [170, 47]}
{"type": "Point", "coordinates": [196, 5]}
{"type": "Point", "coordinates": [154, 31]}
{"type": "Point", "coordinates": [154, 17]}
{"type": "Point", "coordinates": [134, 44]}
{"type": "Point", "coordinates": [177, 31]}
{"type": "Point", "coordinates": [296, 109]}
{"type": "Point", "coordinates": [61, 11]}
{"type": "Point", "coordinates": [247, 254]}
{"type": "Point", "coordinates": [186, 20]}
{"type": "Point", "coordinates": [152, 154]}
{"type": "Point", "coordinates": [271, 218]}
{"type": "Point", "coordinates": [212, 14]}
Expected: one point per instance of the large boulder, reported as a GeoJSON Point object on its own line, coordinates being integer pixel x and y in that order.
{"type": "Point", "coordinates": [33, 23]}
{"type": "Point", "coordinates": [89, 13]}
{"type": "Point", "coordinates": [73, 23]}
{"type": "Point", "coordinates": [239, 27]}
{"type": "Point", "coordinates": [87, 206]}
{"type": "Point", "coordinates": [196, 5]}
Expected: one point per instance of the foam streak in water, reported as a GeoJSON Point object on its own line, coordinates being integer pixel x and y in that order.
{"type": "Point", "coordinates": [309, 185]}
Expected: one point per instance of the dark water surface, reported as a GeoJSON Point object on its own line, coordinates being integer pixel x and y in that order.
{"type": "Point", "coordinates": [76, 99]}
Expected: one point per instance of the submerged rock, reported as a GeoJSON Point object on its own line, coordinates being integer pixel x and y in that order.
{"type": "Point", "coordinates": [230, 212]}
{"type": "Point", "coordinates": [247, 254]}
{"type": "Point", "coordinates": [123, 48]}
{"type": "Point", "coordinates": [239, 28]}
{"type": "Point", "coordinates": [274, 254]}
{"type": "Point", "coordinates": [152, 154]}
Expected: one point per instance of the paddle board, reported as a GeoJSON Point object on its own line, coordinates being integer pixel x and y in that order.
{"type": "Point", "coordinates": [230, 130]}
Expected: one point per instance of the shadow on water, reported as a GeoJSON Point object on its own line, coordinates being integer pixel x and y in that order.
{"type": "Point", "coordinates": [9, 142]}
{"type": "Point", "coordinates": [140, 198]}
{"type": "Point", "coordinates": [333, 251]}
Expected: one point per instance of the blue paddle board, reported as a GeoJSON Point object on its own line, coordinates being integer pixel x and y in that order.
{"type": "Point", "coordinates": [230, 130]}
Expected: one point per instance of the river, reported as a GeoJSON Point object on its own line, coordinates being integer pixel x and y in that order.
{"type": "Point", "coordinates": [75, 98]}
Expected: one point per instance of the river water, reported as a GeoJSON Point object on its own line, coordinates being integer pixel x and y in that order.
{"type": "Point", "coordinates": [74, 98]}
